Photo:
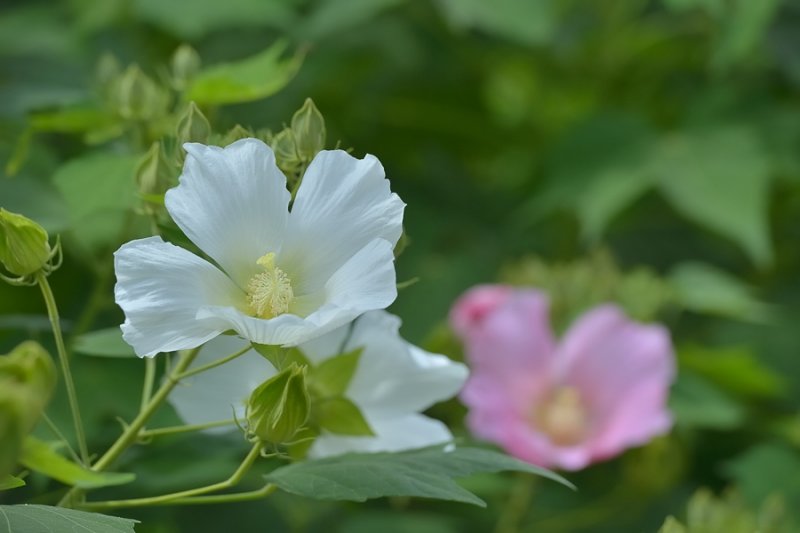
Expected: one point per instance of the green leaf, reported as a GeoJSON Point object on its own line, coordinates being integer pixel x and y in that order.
{"type": "Point", "coordinates": [11, 482]}
{"type": "Point", "coordinates": [99, 190]}
{"type": "Point", "coordinates": [736, 370]}
{"type": "Point", "coordinates": [281, 357]}
{"type": "Point", "coordinates": [333, 16]}
{"type": "Point", "coordinates": [530, 23]}
{"type": "Point", "coordinates": [767, 469]}
{"type": "Point", "coordinates": [343, 417]}
{"type": "Point", "coordinates": [72, 120]}
{"type": "Point", "coordinates": [598, 170]}
{"type": "Point", "coordinates": [332, 376]}
{"type": "Point", "coordinates": [40, 457]}
{"type": "Point", "coordinates": [426, 473]}
{"type": "Point", "coordinates": [105, 343]}
{"type": "Point", "coordinates": [253, 78]}
{"type": "Point", "coordinates": [704, 288]}
{"type": "Point", "coordinates": [695, 402]}
{"type": "Point", "coordinates": [46, 519]}
{"type": "Point", "coordinates": [192, 19]}
{"type": "Point", "coordinates": [720, 179]}
{"type": "Point", "coordinates": [743, 24]}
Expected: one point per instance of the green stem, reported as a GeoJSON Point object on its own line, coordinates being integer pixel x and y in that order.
{"type": "Point", "coordinates": [164, 499]}
{"type": "Point", "coordinates": [131, 433]}
{"type": "Point", "coordinates": [149, 380]}
{"type": "Point", "coordinates": [53, 428]}
{"type": "Point", "coordinates": [518, 503]}
{"type": "Point", "coordinates": [173, 430]}
{"type": "Point", "coordinates": [55, 323]}
{"type": "Point", "coordinates": [213, 364]}
{"type": "Point", "coordinates": [257, 494]}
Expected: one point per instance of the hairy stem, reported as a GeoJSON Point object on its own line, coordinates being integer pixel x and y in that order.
{"type": "Point", "coordinates": [55, 323]}
{"type": "Point", "coordinates": [184, 494]}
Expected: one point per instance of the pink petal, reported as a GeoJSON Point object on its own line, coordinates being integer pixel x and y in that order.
{"type": "Point", "coordinates": [623, 371]}
{"type": "Point", "coordinates": [472, 307]}
{"type": "Point", "coordinates": [512, 339]}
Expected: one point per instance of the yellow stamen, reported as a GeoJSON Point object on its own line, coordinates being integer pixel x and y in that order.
{"type": "Point", "coordinates": [269, 293]}
{"type": "Point", "coordinates": [563, 418]}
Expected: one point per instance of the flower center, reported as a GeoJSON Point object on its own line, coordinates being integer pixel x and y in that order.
{"type": "Point", "coordinates": [269, 293]}
{"type": "Point", "coordinates": [563, 418]}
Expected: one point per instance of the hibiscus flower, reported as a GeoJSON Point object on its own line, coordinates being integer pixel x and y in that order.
{"type": "Point", "coordinates": [272, 276]}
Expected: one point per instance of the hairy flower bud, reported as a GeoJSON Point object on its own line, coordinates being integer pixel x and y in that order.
{"type": "Point", "coordinates": [138, 97]}
{"type": "Point", "coordinates": [27, 379]}
{"type": "Point", "coordinates": [193, 126]}
{"type": "Point", "coordinates": [185, 65]}
{"type": "Point", "coordinates": [280, 406]}
{"type": "Point", "coordinates": [308, 127]}
{"type": "Point", "coordinates": [24, 248]}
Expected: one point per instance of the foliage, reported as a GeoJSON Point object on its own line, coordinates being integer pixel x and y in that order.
{"type": "Point", "coordinates": [646, 153]}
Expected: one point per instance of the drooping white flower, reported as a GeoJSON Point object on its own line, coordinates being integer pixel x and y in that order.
{"type": "Point", "coordinates": [393, 383]}
{"type": "Point", "coordinates": [282, 277]}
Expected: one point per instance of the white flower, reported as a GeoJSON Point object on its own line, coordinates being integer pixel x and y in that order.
{"type": "Point", "coordinates": [282, 278]}
{"type": "Point", "coordinates": [393, 383]}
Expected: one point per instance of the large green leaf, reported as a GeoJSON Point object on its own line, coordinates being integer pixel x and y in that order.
{"type": "Point", "coordinates": [253, 78]}
{"type": "Point", "coordinates": [192, 19]}
{"type": "Point", "coordinates": [719, 178]}
{"type": "Point", "coordinates": [704, 288]}
{"type": "Point", "coordinates": [47, 519]}
{"type": "Point", "coordinates": [695, 402]}
{"type": "Point", "coordinates": [426, 473]}
{"type": "Point", "coordinates": [40, 457]}
{"type": "Point", "coordinates": [530, 23]}
{"type": "Point", "coordinates": [105, 343]}
{"type": "Point", "coordinates": [766, 469]}
{"type": "Point", "coordinates": [99, 190]}
{"type": "Point", "coordinates": [598, 170]}
{"type": "Point", "coordinates": [736, 370]}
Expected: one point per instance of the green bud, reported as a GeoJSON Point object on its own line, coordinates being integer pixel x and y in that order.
{"type": "Point", "coordinates": [285, 148]}
{"type": "Point", "coordinates": [308, 127]}
{"type": "Point", "coordinates": [234, 134]}
{"type": "Point", "coordinates": [24, 248]}
{"type": "Point", "coordinates": [138, 97]}
{"type": "Point", "coordinates": [153, 177]}
{"type": "Point", "coordinates": [185, 65]}
{"type": "Point", "coordinates": [280, 406]}
{"type": "Point", "coordinates": [27, 379]}
{"type": "Point", "coordinates": [193, 126]}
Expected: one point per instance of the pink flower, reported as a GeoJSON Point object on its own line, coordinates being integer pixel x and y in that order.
{"type": "Point", "coordinates": [601, 389]}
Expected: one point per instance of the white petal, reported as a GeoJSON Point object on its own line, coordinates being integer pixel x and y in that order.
{"type": "Point", "coordinates": [394, 377]}
{"type": "Point", "coordinates": [216, 394]}
{"type": "Point", "coordinates": [232, 203]}
{"type": "Point", "coordinates": [364, 283]}
{"type": "Point", "coordinates": [391, 435]}
{"type": "Point", "coordinates": [343, 204]}
{"type": "Point", "coordinates": [160, 287]}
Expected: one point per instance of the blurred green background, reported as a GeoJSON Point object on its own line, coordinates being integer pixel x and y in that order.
{"type": "Point", "coordinates": [641, 151]}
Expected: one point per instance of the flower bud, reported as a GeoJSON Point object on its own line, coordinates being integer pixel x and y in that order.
{"type": "Point", "coordinates": [308, 127]}
{"type": "Point", "coordinates": [280, 406]}
{"type": "Point", "coordinates": [138, 97]}
{"type": "Point", "coordinates": [193, 126]}
{"type": "Point", "coordinates": [185, 65]}
{"type": "Point", "coordinates": [27, 379]}
{"type": "Point", "coordinates": [24, 248]}
{"type": "Point", "coordinates": [234, 134]}
{"type": "Point", "coordinates": [152, 173]}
